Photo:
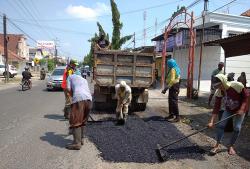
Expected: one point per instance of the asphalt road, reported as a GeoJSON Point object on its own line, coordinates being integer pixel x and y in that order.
{"type": "Point", "coordinates": [33, 132]}
{"type": "Point", "coordinates": [33, 135]}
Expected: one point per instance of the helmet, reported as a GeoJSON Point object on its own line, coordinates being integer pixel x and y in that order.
{"type": "Point", "coordinates": [123, 83]}
{"type": "Point", "coordinates": [74, 61]}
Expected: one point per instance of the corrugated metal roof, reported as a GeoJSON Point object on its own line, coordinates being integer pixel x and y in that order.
{"type": "Point", "coordinates": [233, 46]}
{"type": "Point", "coordinates": [229, 39]}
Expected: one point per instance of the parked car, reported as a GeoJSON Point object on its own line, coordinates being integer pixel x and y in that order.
{"type": "Point", "coordinates": [12, 71]}
{"type": "Point", "coordinates": [55, 79]}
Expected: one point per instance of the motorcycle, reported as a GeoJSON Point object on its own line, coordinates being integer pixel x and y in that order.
{"type": "Point", "coordinates": [26, 84]}
{"type": "Point", "coordinates": [42, 76]}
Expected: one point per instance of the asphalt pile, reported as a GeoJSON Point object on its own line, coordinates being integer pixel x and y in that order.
{"type": "Point", "coordinates": [137, 141]}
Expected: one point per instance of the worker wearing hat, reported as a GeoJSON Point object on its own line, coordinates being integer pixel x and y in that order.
{"type": "Point", "coordinates": [124, 97]}
{"type": "Point", "coordinates": [217, 71]}
{"type": "Point", "coordinates": [67, 72]}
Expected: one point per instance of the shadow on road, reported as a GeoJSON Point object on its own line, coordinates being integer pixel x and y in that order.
{"type": "Point", "coordinates": [137, 141]}
{"type": "Point", "coordinates": [55, 117]}
{"type": "Point", "coordinates": [57, 140]}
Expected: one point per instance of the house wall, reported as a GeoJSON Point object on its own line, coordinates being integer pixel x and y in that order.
{"type": "Point", "coordinates": [237, 65]}
{"type": "Point", "coordinates": [23, 49]}
{"type": "Point", "coordinates": [210, 60]}
{"type": "Point", "coordinates": [1, 59]}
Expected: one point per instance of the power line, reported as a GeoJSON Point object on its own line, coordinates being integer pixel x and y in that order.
{"type": "Point", "coordinates": [55, 28]}
{"type": "Point", "coordinates": [100, 16]}
{"type": "Point", "coordinates": [34, 18]}
{"type": "Point", "coordinates": [205, 13]}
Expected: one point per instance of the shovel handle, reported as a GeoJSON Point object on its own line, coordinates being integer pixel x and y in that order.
{"type": "Point", "coordinates": [198, 131]}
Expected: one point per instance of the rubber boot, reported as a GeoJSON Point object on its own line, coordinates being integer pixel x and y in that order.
{"type": "Point", "coordinates": [76, 145]}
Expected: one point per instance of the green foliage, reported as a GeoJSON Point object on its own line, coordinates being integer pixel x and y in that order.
{"type": "Point", "coordinates": [51, 64]}
{"type": "Point", "coordinates": [42, 62]}
{"type": "Point", "coordinates": [117, 41]}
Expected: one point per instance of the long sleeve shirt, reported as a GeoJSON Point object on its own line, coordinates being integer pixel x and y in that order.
{"type": "Point", "coordinates": [172, 78]}
{"type": "Point", "coordinates": [234, 102]}
{"type": "Point", "coordinates": [123, 95]}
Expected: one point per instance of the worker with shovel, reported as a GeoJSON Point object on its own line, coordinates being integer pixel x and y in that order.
{"type": "Point", "coordinates": [235, 98]}
{"type": "Point", "coordinates": [124, 97]}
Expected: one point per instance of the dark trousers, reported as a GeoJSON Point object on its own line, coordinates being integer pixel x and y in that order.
{"type": "Point", "coordinates": [173, 99]}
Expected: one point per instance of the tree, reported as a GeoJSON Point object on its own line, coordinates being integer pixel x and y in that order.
{"type": "Point", "coordinates": [51, 64]}
{"type": "Point", "coordinates": [117, 41]}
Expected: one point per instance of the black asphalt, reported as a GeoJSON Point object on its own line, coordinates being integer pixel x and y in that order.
{"type": "Point", "coordinates": [136, 141]}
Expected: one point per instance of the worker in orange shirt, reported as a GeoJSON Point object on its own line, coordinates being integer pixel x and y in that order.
{"type": "Point", "coordinates": [67, 72]}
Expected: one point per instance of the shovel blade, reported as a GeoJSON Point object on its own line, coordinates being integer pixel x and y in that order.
{"type": "Point", "coordinates": [161, 153]}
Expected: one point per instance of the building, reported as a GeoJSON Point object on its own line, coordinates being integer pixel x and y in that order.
{"type": "Point", "coordinates": [13, 59]}
{"type": "Point", "coordinates": [17, 44]}
{"type": "Point", "coordinates": [217, 26]}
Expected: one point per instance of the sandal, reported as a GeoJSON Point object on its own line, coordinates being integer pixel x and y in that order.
{"type": "Point", "coordinates": [214, 151]}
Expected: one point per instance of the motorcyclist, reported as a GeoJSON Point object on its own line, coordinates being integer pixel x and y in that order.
{"type": "Point", "coordinates": [42, 74]}
{"type": "Point", "coordinates": [27, 76]}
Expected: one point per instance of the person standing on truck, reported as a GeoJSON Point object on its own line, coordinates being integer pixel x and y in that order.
{"type": "Point", "coordinates": [219, 70]}
{"type": "Point", "coordinates": [173, 84]}
{"type": "Point", "coordinates": [80, 107]}
{"type": "Point", "coordinates": [235, 98]}
{"type": "Point", "coordinates": [124, 97]}
{"type": "Point", "coordinates": [67, 72]}
{"type": "Point", "coordinates": [102, 43]}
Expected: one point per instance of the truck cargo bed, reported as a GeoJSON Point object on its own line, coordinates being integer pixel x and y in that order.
{"type": "Point", "coordinates": [113, 66]}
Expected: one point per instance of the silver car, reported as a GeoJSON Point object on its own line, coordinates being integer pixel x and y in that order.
{"type": "Point", "coordinates": [55, 79]}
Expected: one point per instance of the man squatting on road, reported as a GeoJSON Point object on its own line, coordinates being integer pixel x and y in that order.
{"type": "Point", "coordinates": [173, 84]}
{"type": "Point", "coordinates": [235, 98]}
{"type": "Point", "coordinates": [80, 107]}
{"type": "Point", "coordinates": [124, 97]}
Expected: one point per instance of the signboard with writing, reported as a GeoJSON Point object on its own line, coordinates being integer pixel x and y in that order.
{"type": "Point", "coordinates": [178, 39]}
{"type": "Point", "coordinates": [45, 44]}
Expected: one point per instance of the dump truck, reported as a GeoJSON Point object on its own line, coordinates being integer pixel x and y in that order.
{"type": "Point", "coordinates": [113, 66]}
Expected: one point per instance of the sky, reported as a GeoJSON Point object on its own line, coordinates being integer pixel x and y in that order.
{"type": "Point", "coordinates": [71, 23]}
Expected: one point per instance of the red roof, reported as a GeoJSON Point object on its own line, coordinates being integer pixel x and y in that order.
{"type": "Point", "coordinates": [12, 42]}
{"type": "Point", "coordinates": [11, 55]}
{"type": "Point", "coordinates": [247, 13]}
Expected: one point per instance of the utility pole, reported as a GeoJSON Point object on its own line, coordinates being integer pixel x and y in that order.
{"type": "Point", "coordinates": [134, 40]}
{"type": "Point", "coordinates": [56, 52]}
{"type": "Point", "coordinates": [5, 41]}
{"type": "Point", "coordinates": [201, 42]}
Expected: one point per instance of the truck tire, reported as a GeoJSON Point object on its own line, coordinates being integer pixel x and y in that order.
{"type": "Point", "coordinates": [138, 107]}
{"type": "Point", "coordinates": [141, 106]}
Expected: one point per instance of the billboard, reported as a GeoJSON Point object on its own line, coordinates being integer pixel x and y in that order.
{"type": "Point", "coordinates": [45, 45]}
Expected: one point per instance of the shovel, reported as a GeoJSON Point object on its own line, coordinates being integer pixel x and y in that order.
{"type": "Point", "coordinates": [163, 154]}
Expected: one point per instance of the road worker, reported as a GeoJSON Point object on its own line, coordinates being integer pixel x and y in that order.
{"type": "Point", "coordinates": [124, 97]}
{"type": "Point", "coordinates": [67, 72]}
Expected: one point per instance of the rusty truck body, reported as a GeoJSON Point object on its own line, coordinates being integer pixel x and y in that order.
{"type": "Point", "coordinates": [112, 66]}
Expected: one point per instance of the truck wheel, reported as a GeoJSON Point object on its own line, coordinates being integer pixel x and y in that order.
{"type": "Point", "coordinates": [141, 106]}
{"type": "Point", "coordinates": [138, 107]}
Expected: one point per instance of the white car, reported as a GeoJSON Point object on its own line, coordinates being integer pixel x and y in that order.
{"type": "Point", "coordinates": [12, 71]}
{"type": "Point", "coordinates": [55, 79]}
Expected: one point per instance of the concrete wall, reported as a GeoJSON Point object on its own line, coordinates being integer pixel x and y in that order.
{"type": "Point", "coordinates": [210, 60]}
{"type": "Point", "coordinates": [239, 64]}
